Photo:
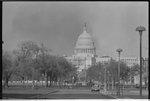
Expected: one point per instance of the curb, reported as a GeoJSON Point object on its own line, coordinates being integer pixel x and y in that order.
{"type": "Point", "coordinates": [36, 96]}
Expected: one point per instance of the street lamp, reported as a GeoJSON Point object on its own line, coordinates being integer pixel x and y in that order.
{"type": "Point", "coordinates": [147, 73]}
{"type": "Point", "coordinates": [85, 71]}
{"type": "Point", "coordinates": [119, 51]}
{"type": "Point", "coordinates": [105, 77]}
{"type": "Point", "coordinates": [140, 29]}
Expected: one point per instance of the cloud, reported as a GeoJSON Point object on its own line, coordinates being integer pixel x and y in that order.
{"type": "Point", "coordinates": [58, 25]}
{"type": "Point", "coordinates": [54, 24]}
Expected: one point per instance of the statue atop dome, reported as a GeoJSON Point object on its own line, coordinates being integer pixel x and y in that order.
{"type": "Point", "coordinates": [84, 26]}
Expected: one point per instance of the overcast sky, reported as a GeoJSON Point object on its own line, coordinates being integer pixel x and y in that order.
{"type": "Point", "coordinates": [58, 24]}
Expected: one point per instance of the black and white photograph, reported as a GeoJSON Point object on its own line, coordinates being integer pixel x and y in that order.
{"type": "Point", "coordinates": [75, 50]}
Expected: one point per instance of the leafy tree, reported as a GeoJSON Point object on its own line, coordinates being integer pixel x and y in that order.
{"type": "Point", "coordinates": [124, 72]}
{"type": "Point", "coordinates": [26, 55]}
{"type": "Point", "coordinates": [113, 70]}
{"type": "Point", "coordinates": [45, 62]}
{"type": "Point", "coordinates": [31, 60]}
{"type": "Point", "coordinates": [63, 69]}
{"type": "Point", "coordinates": [135, 70]}
{"type": "Point", "coordinates": [8, 68]}
{"type": "Point", "coordinates": [96, 72]}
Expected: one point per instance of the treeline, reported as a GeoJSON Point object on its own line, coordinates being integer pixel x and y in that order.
{"type": "Point", "coordinates": [109, 72]}
{"type": "Point", "coordinates": [33, 62]}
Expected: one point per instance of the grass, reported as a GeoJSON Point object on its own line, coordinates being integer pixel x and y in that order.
{"type": "Point", "coordinates": [18, 96]}
{"type": "Point", "coordinates": [133, 94]}
{"type": "Point", "coordinates": [21, 92]}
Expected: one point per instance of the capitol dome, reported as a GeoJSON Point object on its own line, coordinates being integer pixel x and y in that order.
{"type": "Point", "coordinates": [85, 44]}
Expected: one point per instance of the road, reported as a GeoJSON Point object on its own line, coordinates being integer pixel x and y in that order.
{"type": "Point", "coordinates": [75, 94]}
{"type": "Point", "coordinates": [65, 93]}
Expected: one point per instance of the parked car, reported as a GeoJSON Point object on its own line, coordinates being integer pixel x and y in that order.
{"type": "Point", "coordinates": [95, 87]}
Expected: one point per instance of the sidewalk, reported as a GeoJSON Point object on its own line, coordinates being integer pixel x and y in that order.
{"type": "Point", "coordinates": [127, 94]}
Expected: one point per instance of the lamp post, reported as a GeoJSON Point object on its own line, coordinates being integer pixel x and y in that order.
{"type": "Point", "coordinates": [147, 73]}
{"type": "Point", "coordinates": [140, 29]}
{"type": "Point", "coordinates": [79, 68]}
{"type": "Point", "coordinates": [105, 78]}
{"type": "Point", "coordinates": [108, 81]}
{"type": "Point", "coordinates": [119, 51]}
{"type": "Point", "coordinates": [85, 70]}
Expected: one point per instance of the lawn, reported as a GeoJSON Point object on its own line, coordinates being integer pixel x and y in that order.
{"type": "Point", "coordinates": [20, 92]}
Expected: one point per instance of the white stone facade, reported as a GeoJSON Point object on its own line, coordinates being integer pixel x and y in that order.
{"type": "Point", "coordinates": [103, 59]}
{"type": "Point", "coordinates": [130, 61]}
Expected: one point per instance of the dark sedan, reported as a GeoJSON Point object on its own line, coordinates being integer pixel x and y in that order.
{"type": "Point", "coordinates": [95, 88]}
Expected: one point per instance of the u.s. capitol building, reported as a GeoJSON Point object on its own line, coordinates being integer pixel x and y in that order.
{"type": "Point", "coordinates": [85, 54]}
